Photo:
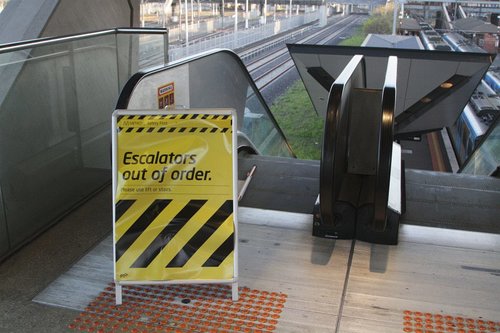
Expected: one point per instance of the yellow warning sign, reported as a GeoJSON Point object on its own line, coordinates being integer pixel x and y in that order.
{"type": "Point", "coordinates": [166, 95]}
{"type": "Point", "coordinates": [174, 196]}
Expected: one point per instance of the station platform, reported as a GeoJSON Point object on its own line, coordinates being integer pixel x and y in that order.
{"type": "Point", "coordinates": [434, 280]}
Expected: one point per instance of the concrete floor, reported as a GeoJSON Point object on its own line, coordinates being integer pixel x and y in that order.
{"type": "Point", "coordinates": [440, 271]}
{"type": "Point", "coordinates": [35, 266]}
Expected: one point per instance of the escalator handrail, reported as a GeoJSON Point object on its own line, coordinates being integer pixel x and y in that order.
{"type": "Point", "coordinates": [46, 41]}
{"type": "Point", "coordinates": [329, 168]}
{"type": "Point", "coordinates": [386, 135]}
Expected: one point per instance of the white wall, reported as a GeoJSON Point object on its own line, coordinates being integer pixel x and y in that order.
{"type": "Point", "coordinates": [72, 16]}
{"type": "Point", "coordinates": [29, 19]}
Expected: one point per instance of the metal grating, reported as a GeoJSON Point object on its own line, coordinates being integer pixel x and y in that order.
{"type": "Point", "coordinates": [425, 322]}
{"type": "Point", "coordinates": [182, 308]}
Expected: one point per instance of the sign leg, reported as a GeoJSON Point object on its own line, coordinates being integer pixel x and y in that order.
{"type": "Point", "coordinates": [118, 294]}
{"type": "Point", "coordinates": [235, 291]}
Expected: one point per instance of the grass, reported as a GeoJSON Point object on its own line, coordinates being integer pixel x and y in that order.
{"type": "Point", "coordinates": [297, 118]}
{"type": "Point", "coordinates": [356, 40]}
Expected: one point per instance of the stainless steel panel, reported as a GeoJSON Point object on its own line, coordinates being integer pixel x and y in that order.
{"type": "Point", "coordinates": [419, 72]}
{"type": "Point", "coordinates": [213, 80]}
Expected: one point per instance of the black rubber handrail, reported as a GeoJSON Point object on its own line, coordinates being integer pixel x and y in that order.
{"type": "Point", "coordinates": [386, 137]}
{"type": "Point", "coordinates": [334, 153]}
{"type": "Point", "coordinates": [326, 177]}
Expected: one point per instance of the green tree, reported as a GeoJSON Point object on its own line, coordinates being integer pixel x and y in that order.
{"type": "Point", "coordinates": [380, 22]}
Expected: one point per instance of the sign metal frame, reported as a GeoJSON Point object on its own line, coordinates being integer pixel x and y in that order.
{"type": "Point", "coordinates": [115, 174]}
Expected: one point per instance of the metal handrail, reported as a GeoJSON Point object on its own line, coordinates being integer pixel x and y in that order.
{"type": "Point", "coordinates": [21, 45]}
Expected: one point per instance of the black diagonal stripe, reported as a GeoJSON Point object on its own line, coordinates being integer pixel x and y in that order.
{"type": "Point", "coordinates": [205, 116]}
{"type": "Point", "coordinates": [151, 129]}
{"type": "Point", "coordinates": [168, 233]}
{"type": "Point", "coordinates": [182, 129]}
{"type": "Point", "coordinates": [195, 116]}
{"type": "Point", "coordinates": [225, 117]}
{"type": "Point", "coordinates": [130, 129]}
{"type": "Point", "coordinates": [221, 253]}
{"type": "Point", "coordinates": [172, 129]}
{"type": "Point", "coordinates": [119, 118]}
{"type": "Point", "coordinates": [139, 226]}
{"type": "Point", "coordinates": [184, 116]}
{"type": "Point", "coordinates": [141, 117]}
{"type": "Point", "coordinates": [193, 129]}
{"type": "Point", "coordinates": [140, 129]}
{"type": "Point", "coordinates": [213, 130]}
{"type": "Point", "coordinates": [224, 130]}
{"type": "Point", "coordinates": [161, 129]}
{"type": "Point", "coordinates": [202, 235]}
{"type": "Point", "coordinates": [203, 130]}
{"type": "Point", "coordinates": [121, 207]}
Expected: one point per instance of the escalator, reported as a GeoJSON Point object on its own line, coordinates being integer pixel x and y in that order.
{"type": "Point", "coordinates": [378, 97]}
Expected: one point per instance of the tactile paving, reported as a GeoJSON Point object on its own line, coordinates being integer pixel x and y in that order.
{"type": "Point", "coordinates": [426, 322]}
{"type": "Point", "coordinates": [182, 308]}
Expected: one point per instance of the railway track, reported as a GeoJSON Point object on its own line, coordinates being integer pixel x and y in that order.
{"type": "Point", "coordinates": [261, 58]}
{"type": "Point", "coordinates": [272, 66]}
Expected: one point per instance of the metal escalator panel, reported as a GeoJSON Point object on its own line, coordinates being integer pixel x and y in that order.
{"type": "Point", "coordinates": [215, 79]}
{"type": "Point", "coordinates": [321, 76]}
{"type": "Point", "coordinates": [433, 86]}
